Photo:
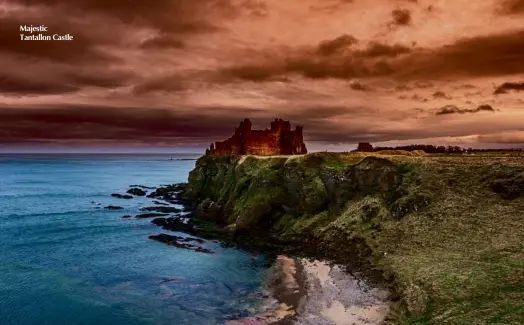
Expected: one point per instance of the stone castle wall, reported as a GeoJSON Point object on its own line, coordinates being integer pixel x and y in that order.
{"type": "Point", "coordinates": [279, 140]}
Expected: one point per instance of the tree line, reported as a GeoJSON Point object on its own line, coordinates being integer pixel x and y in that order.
{"type": "Point", "coordinates": [441, 149]}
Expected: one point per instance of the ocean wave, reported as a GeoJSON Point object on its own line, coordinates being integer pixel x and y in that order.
{"type": "Point", "coordinates": [52, 214]}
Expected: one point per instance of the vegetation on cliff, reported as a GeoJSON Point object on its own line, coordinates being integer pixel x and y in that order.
{"type": "Point", "coordinates": [446, 232]}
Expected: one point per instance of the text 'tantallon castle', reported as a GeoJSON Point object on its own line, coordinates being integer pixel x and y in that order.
{"type": "Point", "coordinates": [279, 140]}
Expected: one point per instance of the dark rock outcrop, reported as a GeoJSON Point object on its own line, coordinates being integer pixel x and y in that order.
{"type": "Point", "coordinates": [208, 210]}
{"type": "Point", "coordinates": [175, 224]}
{"type": "Point", "coordinates": [150, 215]}
{"type": "Point", "coordinates": [136, 191]}
{"type": "Point", "coordinates": [162, 209]}
{"type": "Point", "coordinates": [143, 187]}
{"type": "Point", "coordinates": [174, 194]}
{"type": "Point", "coordinates": [167, 191]}
{"type": "Point", "coordinates": [122, 196]}
{"type": "Point", "coordinates": [181, 242]}
{"type": "Point", "coordinates": [113, 207]}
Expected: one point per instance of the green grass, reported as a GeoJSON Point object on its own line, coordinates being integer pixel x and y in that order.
{"type": "Point", "coordinates": [452, 247]}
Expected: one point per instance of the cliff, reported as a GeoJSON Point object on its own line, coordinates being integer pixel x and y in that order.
{"type": "Point", "coordinates": [279, 140]}
{"type": "Point", "coordinates": [445, 232]}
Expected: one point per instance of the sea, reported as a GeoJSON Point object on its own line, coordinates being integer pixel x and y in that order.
{"type": "Point", "coordinates": [65, 260]}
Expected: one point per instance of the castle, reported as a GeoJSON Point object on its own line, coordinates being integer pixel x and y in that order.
{"type": "Point", "coordinates": [364, 147]}
{"type": "Point", "coordinates": [279, 140]}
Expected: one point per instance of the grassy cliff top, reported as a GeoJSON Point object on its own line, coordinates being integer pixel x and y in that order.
{"type": "Point", "coordinates": [447, 229]}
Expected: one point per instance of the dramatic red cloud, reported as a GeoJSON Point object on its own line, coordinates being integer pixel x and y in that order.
{"type": "Point", "coordinates": [185, 72]}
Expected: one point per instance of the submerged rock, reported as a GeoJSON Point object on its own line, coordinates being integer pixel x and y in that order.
{"type": "Point", "coordinates": [162, 209]}
{"type": "Point", "coordinates": [167, 191]}
{"type": "Point", "coordinates": [113, 207]}
{"type": "Point", "coordinates": [173, 194]}
{"type": "Point", "coordinates": [150, 215]}
{"type": "Point", "coordinates": [126, 216]}
{"type": "Point", "coordinates": [122, 196]}
{"type": "Point", "coordinates": [175, 224]}
{"type": "Point", "coordinates": [136, 191]}
{"type": "Point", "coordinates": [143, 187]}
{"type": "Point", "coordinates": [181, 242]}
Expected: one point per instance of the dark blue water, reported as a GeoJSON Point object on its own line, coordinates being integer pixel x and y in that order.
{"type": "Point", "coordinates": [65, 261]}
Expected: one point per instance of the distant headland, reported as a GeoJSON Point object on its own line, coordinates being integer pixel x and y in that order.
{"type": "Point", "coordinates": [279, 140]}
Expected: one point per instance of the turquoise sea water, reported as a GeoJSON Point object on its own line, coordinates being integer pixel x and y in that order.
{"type": "Point", "coordinates": [66, 261]}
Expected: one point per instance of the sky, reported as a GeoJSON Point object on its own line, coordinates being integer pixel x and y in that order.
{"type": "Point", "coordinates": [178, 74]}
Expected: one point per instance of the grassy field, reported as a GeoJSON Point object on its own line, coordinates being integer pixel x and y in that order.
{"type": "Point", "coordinates": [447, 231]}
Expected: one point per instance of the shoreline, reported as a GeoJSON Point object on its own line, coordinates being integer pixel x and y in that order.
{"type": "Point", "coordinates": [302, 291]}
{"type": "Point", "coordinates": [316, 292]}
{"type": "Point", "coordinates": [339, 298]}
{"type": "Point", "coordinates": [287, 287]}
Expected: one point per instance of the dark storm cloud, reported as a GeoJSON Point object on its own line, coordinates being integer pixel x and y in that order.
{"type": "Point", "coordinates": [53, 79]}
{"type": "Point", "coordinates": [510, 7]}
{"type": "Point", "coordinates": [359, 86]}
{"type": "Point", "coordinates": [171, 83]}
{"type": "Point", "coordinates": [181, 16]}
{"type": "Point", "coordinates": [145, 125]}
{"type": "Point", "coordinates": [401, 17]}
{"type": "Point", "coordinates": [190, 36]}
{"type": "Point", "coordinates": [330, 62]}
{"type": "Point", "coordinates": [414, 97]}
{"type": "Point", "coordinates": [114, 123]}
{"type": "Point", "coordinates": [255, 8]}
{"type": "Point", "coordinates": [98, 77]}
{"type": "Point", "coordinates": [329, 47]}
{"type": "Point", "coordinates": [423, 84]}
{"type": "Point", "coordinates": [376, 50]}
{"type": "Point", "coordinates": [402, 88]}
{"type": "Point", "coordinates": [508, 138]}
{"type": "Point", "coordinates": [418, 98]}
{"type": "Point", "coordinates": [162, 42]}
{"type": "Point", "coordinates": [56, 67]}
{"type": "Point", "coordinates": [441, 95]}
{"type": "Point", "coordinates": [95, 123]}
{"type": "Point", "coordinates": [508, 87]}
{"type": "Point", "coordinates": [488, 55]}
{"type": "Point", "coordinates": [269, 71]}
{"type": "Point", "coordinates": [15, 85]}
{"type": "Point", "coordinates": [82, 49]}
{"type": "Point", "coordinates": [452, 109]}
{"type": "Point", "coordinates": [466, 86]}
{"type": "Point", "coordinates": [330, 5]}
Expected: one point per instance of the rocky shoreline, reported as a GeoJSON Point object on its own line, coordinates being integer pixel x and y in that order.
{"type": "Point", "coordinates": [297, 286]}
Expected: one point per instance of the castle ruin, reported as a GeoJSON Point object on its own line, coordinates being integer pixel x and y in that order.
{"type": "Point", "coordinates": [279, 140]}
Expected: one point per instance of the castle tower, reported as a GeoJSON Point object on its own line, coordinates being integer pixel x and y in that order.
{"type": "Point", "coordinates": [280, 124]}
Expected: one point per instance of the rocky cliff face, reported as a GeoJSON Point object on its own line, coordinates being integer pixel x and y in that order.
{"type": "Point", "coordinates": [254, 192]}
{"type": "Point", "coordinates": [279, 140]}
{"type": "Point", "coordinates": [427, 224]}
